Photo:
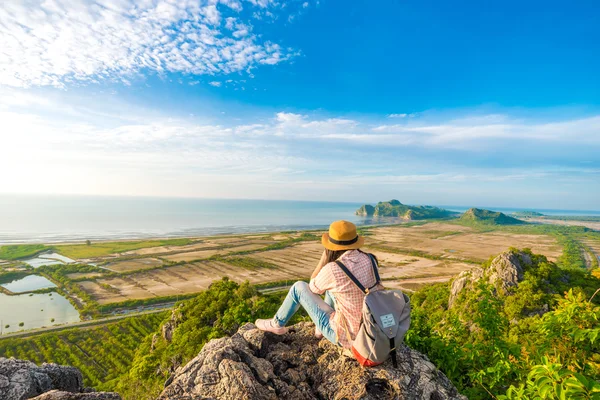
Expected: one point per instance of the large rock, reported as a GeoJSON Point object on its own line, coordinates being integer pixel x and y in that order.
{"type": "Point", "coordinates": [21, 379]}
{"type": "Point", "coordinates": [60, 395]}
{"type": "Point", "coordinates": [505, 272]}
{"type": "Point", "coordinates": [253, 364]}
{"type": "Point", "coordinates": [169, 327]}
{"type": "Point", "coordinates": [365, 211]}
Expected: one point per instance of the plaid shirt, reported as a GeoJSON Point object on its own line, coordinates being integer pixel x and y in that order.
{"type": "Point", "coordinates": [348, 298]}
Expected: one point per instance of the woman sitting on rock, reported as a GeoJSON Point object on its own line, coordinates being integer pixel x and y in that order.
{"type": "Point", "coordinates": [337, 317]}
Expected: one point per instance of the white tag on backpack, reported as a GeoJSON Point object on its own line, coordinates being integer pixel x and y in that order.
{"type": "Point", "coordinates": [387, 320]}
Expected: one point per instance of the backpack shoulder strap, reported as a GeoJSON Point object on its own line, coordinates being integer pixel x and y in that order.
{"type": "Point", "coordinates": [352, 277]}
{"type": "Point", "coordinates": [375, 269]}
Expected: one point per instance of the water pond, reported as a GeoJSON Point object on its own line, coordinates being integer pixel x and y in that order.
{"type": "Point", "coordinates": [35, 311]}
{"type": "Point", "coordinates": [28, 284]}
{"type": "Point", "coordinates": [48, 259]}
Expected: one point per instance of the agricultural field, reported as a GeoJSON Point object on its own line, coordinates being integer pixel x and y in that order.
{"type": "Point", "coordinates": [178, 280]}
{"type": "Point", "coordinates": [458, 242]}
{"type": "Point", "coordinates": [411, 255]}
{"type": "Point", "coordinates": [201, 254]}
{"type": "Point", "coordinates": [100, 249]}
{"type": "Point", "coordinates": [100, 352]}
{"type": "Point", "coordinates": [133, 264]}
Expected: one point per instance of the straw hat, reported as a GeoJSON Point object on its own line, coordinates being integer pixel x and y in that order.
{"type": "Point", "coordinates": [342, 236]}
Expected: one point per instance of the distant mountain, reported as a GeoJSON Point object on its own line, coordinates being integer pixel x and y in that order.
{"type": "Point", "coordinates": [478, 215]}
{"type": "Point", "coordinates": [527, 214]}
{"type": "Point", "coordinates": [394, 208]}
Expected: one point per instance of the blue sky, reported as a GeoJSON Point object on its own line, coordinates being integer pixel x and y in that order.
{"type": "Point", "coordinates": [470, 103]}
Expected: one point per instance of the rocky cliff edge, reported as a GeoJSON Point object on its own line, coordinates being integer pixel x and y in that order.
{"type": "Point", "coordinates": [256, 365]}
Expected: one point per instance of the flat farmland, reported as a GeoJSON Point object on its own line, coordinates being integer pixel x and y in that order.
{"type": "Point", "coordinates": [410, 256]}
{"type": "Point", "coordinates": [180, 279]}
{"type": "Point", "coordinates": [197, 255]}
{"type": "Point", "coordinates": [86, 275]}
{"type": "Point", "coordinates": [398, 266]}
{"type": "Point", "coordinates": [460, 242]}
{"type": "Point", "coordinates": [168, 249]}
{"type": "Point", "coordinates": [134, 264]}
{"type": "Point", "coordinates": [298, 261]}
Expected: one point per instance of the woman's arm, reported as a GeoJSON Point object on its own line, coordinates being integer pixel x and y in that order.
{"type": "Point", "coordinates": [321, 264]}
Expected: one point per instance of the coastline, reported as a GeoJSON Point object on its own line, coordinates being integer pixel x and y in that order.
{"type": "Point", "coordinates": [72, 219]}
{"type": "Point", "coordinates": [216, 232]}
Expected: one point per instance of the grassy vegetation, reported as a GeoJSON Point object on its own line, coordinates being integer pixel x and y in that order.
{"type": "Point", "coordinates": [101, 353]}
{"type": "Point", "coordinates": [572, 255]}
{"type": "Point", "coordinates": [9, 276]}
{"type": "Point", "coordinates": [493, 344]}
{"type": "Point", "coordinates": [216, 312]}
{"type": "Point", "coordinates": [20, 251]}
{"type": "Point", "coordinates": [77, 251]}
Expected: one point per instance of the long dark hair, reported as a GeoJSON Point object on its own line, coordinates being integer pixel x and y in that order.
{"type": "Point", "coordinates": [333, 255]}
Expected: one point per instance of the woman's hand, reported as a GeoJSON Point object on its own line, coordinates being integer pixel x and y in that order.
{"type": "Point", "coordinates": [320, 265]}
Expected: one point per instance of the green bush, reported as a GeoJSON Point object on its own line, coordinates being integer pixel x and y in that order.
{"type": "Point", "coordinates": [538, 341]}
{"type": "Point", "coordinates": [216, 312]}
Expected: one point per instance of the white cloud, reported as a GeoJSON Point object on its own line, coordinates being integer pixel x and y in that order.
{"type": "Point", "coordinates": [473, 133]}
{"type": "Point", "coordinates": [305, 4]}
{"type": "Point", "coordinates": [262, 3]}
{"type": "Point", "coordinates": [114, 148]}
{"type": "Point", "coordinates": [57, 42]}
{"type": "Point", "coordinates": [215, 83]}
{"type": "Point", "coordinates": [397, 115]}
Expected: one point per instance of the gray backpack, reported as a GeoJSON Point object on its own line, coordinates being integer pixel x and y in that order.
{"type": "Point", "coordinates": [385, 320]}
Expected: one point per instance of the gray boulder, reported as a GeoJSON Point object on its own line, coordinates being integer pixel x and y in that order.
{"type": "Point", "coordinates": [505, 272]}
{"type": "Point", "coordinates": [21, 380]}
{"type": "Point", "coordinates": [253, 364]}
{"type": "Point", "coordinates": [60, 395]}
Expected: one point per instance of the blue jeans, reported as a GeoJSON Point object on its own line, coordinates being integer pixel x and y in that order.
{"type": "Point", "coordinates": [318, 309]}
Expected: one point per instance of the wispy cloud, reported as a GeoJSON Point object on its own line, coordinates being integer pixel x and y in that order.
{"type": "Point", "coordinates": [291, 155]}
{"type": "Point", "coordinates": [481, 132]}
{"type": "Point", "coordinates": [58, 42]}
{"type": "Point", "coordinates": [215, 83]}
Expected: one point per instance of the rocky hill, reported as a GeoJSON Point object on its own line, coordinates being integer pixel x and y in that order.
{"type": "Point", "coordinates": [394, 208]}
{"type": "Point", "coordinates": [253, 364]}
{"type": "Point", "coordinates": [256, 365]}
{"type": "Point", "coordinates": [480, 216]}
{"type": "Point", "coordinates": [21, 380]}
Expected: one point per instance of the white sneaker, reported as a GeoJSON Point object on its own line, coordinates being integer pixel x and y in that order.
{"type": "Point", "coordinates": [269, 325]}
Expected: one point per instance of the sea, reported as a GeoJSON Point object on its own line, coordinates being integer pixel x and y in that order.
{"type": "Point", "coordinates": [55, 219]}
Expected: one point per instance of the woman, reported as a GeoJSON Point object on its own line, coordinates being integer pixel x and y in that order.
{"type": "Point", "coordinates": [337, 317]}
